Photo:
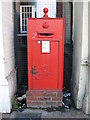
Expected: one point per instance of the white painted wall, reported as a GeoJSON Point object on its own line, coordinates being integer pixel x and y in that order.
{"type": "Point", "coordinates": [88, 83]}
{"type": "Point", "coordinates": [77, 46]}
{"type": "Point", "coordinates": [80, 55]}
{"type": "Point", "coordinates": [7, 67]}
{"type": "Point", "coordinates": [86, 101]}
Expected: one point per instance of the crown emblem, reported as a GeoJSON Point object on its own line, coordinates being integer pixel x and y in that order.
{"type": "Point", "coordinates": [45, 25]}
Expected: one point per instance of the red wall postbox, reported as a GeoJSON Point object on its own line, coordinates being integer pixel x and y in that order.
{"type": "Point", "coordinates": [45, 47]}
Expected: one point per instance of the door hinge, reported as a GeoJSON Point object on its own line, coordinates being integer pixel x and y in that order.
{"type": "Point", "coordinates": [85, 63]}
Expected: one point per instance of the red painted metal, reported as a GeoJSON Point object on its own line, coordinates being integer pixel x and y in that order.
{"type": "Point", "coordinates": [45, 10]}
{"type": "Point", "coordinates": [45, 47]}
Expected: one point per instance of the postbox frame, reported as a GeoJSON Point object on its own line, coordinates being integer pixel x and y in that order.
{"type": "Point", "coordinates": [60, 46]}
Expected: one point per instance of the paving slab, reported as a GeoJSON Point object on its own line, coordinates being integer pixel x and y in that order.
{"type": "Point", "coordinates": [39, 114]}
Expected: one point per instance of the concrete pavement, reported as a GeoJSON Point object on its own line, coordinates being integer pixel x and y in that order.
{"type": "Point", "coordinates": [38, 113]}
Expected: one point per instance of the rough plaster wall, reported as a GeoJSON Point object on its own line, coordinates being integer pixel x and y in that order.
{"type": "Point", "coordinates": [80, 55]}
{"type": "Point", "coordinates": [3, 82]}
{"type": "Point", "coordinates": [89, 57]}
{"type": "Point", "coordinates": [88, 84]}
{"type": "Point", "coordinates": [7, 47]}
{"type": "Point", "coordinates": [8, 42]}
{"type": "Point", "coordinates": [8, 36]}
{"type": "Point", "coordinates": [77, 46]}
{"type": "Point", "coordinates": [89, 31]}
{"type": "Point", "coordinates": [86, 101]}
{"type": "Point", "coordinates": [2, 76]}
{"type": "Point", "coordinates": [84, 56]}
{"type": "Point", "coordinates": [84, 68]}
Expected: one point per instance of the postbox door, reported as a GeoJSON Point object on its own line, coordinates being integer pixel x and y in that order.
{"type": "Point", "coordinates": [45, 65]}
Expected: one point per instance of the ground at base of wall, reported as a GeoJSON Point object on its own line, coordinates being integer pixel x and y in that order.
{"type": "Point", "coordinates": [39, 113]}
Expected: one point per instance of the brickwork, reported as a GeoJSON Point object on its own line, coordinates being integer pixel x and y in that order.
{"type": "Point", "coordinates": [43, 98]}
